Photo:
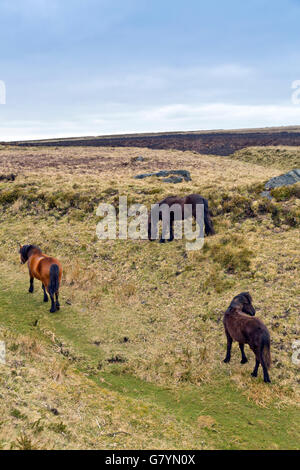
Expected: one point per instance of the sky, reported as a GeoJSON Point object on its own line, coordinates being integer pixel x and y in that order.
{"type": "Point", "coordinates": [98, 67]}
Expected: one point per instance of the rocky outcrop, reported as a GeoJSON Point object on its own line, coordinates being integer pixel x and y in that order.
{"type": "Point", "coordinates": [291, 177]}
{"type": "Point", "coordinates": [171, 176]}
{"type": "Point", "coordinates": [287, 179]}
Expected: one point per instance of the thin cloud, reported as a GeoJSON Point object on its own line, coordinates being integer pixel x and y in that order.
{"type": "Point", "coordinates": [174, 117]}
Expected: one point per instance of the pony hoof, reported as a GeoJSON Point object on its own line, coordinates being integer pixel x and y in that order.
{"type": "Point", "coordinates": [226, 360]}
{"type": "Point", "coordinates": [52, 310]}
{"type": "Point", "coordinates": [30, 290]}
{"type": "Point", "coordinates": [267, 381]}
{"type": "Point", "coordinates": [46, 299]}
{"type": "Point", "coordinates": [253, 374]}
{"type": "Point", "coordinates": [243, 361]}
{"type": "Point", "coordinates": [162, 241]}
{"type": "Point", "coordinates": [57, 307]}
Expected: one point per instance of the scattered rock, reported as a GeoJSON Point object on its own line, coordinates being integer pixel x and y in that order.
{"type": "Point", "coordinates": [171, 176]}
{"type": "Point", "coordinates": [68, 302]}
{"type": "Point", "coordinates": [291, 177]}
{"type": "Point", "coordinates": [287, 179]}
{"type": "Point", "coordinates": [266, 194]}
{"type": "Point", "coordinates": [54, 411]}
{"type": "Point", "coordinates": [97, 343]}
{"type": "Point", "coordinates": [138, 159]}
{"type": "Point", "coordinates": [173, 179]}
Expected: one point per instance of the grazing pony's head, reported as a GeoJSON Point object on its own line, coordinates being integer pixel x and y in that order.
{"type": "Point", "coordinates": [243, 301]}
{"type": "Point", "coordinates": [24, 252]}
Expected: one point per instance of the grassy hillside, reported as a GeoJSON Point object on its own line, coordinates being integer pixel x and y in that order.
{"type": "Point", "coordinates": [134, 357]}
{"type": "Point", "coordinates": [285, 158]}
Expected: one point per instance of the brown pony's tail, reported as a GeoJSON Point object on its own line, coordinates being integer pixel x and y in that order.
{"type": "Point", "coordinates": [54, 279]}
{"type": "Point", "coordinates": [265, 350]}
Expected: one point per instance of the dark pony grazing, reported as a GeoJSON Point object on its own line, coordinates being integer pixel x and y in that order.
{"type": "Point", "coordinates": [46, 269]}
{"type": "Point", "coordinates": [240, 325]}
{"type": "Point", "coordinates": [243, 301]}
{"type": "Point", "coordinates": [192, 200]}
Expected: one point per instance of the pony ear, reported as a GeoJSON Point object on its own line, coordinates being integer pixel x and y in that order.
{"type": "Point", "coordinates": [247, 294]}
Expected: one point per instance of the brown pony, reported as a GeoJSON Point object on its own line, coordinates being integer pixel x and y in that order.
{"type": "Point", "coordinates": [247, 330]}
{"type": "Point", "coordinates": [193, 200]}
{"type": "Point", "coordinates": [46, 269]}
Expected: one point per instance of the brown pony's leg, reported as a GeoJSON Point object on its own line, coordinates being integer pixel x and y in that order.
{"type": "Point", "coordinates": [31, 284]}
{"type": "Point", "coordinates": [45, 294]}
{"type": "Point", "coordinates": [244, 357]}
{"type": "Point", "coordinates": [56, 301]}
{"type": "Point", "coordinates": [53, 285]}
{"type": "Point", "coordinates": [229, 344]}
{"type": "Point", "coordinates": [53, 307]}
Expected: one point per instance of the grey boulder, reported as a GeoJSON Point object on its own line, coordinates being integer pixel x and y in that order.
{"type": "Point", "coordinates": [171, 176]}
{"type": "Point", "coordinates": [291, 177]}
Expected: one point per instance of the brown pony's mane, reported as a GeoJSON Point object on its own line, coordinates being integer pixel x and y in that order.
{"type": "Point", "coordinates": [25, 250]}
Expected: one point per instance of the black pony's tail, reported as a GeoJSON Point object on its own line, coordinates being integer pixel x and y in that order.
{"type": "Point", "coordinates": [209, 228]}
{"type": "Point", "coordinates": [265, 350]}
{"type": "Point", "coordinates": [54, 279]}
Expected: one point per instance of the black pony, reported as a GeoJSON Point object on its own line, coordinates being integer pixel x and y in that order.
{"type": "Point", "coordinates": [193, 200]}
{"type": "Point", "coordinates": [247, 329]}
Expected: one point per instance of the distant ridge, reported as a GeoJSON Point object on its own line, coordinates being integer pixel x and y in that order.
{"type": "Point", "coordinates": [217, 142]}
